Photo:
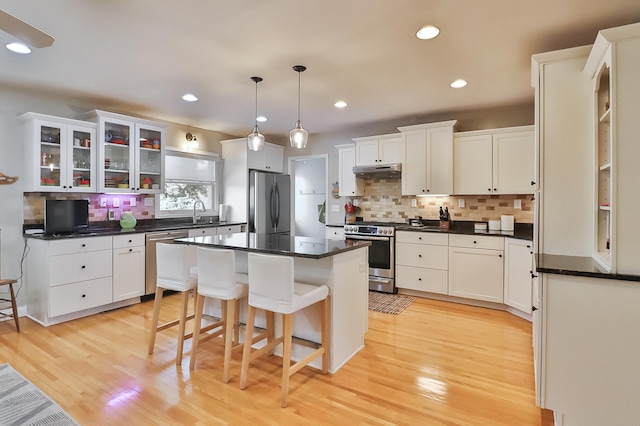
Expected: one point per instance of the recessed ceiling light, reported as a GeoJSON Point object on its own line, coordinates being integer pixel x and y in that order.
{"type": "Point", "coordinates": [428, 32]}
{"type": "Point", "coordinates": [18, 48]}
{"type": "Point", "coordinates": [189, 97]}
{"type": "Point", "coordinates": [340, 104]}
{"type": "Point", "coordinates": [458, 83]}
{"type": "Point", "coordinates": [261, 118]}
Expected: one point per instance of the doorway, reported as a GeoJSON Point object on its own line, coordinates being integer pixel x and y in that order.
{"type": "Point", "coordinates": [309, 185]}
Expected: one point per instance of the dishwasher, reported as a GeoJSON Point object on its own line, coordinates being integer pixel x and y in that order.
{"type": "Point", "coordinates": [151, 240]}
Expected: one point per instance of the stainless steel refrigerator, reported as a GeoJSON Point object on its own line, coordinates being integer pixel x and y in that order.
{"type": "Point", "coordinates": [269, 203]}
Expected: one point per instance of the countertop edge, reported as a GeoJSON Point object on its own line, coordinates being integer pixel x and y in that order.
{"type": "Point", "coordinates": [577, 266]}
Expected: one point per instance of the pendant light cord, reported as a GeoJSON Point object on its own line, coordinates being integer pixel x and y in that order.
{"type": "Point", "coordinates": [299, 95]}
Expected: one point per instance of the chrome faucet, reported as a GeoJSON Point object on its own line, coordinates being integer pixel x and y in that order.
{"type": "Point", "coordinates": [195, 218]}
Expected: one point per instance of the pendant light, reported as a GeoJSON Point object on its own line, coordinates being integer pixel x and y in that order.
{"type": "Point", "coordinates": [255, 140]}
{"type": "Point", "coordinates": [298, 137]}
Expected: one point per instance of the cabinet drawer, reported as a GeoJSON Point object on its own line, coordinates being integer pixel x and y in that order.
{"type": "Point", "coordinates": [422, 238]}
{"type": "Point", "coordinates": [124, 241]}
{"type": "Point", "coordinates": [334, 233]}
{"type": "Point", "coordinates": [422, 279]}
{"type": "Point", "coordinates": [231, 229]}
{"type": "Point", "coordinates": [70, 268]}
{"type": "Point", "coordinates": [476, 241]}
{"type": "Point", "coordinates": [79, 245]}
{"type": "Point", "coordinates": [423, 256]}
{"type": "Point", "coordinates": [69, 298]}
{"type": "Point", "coordinates": [203, 232]}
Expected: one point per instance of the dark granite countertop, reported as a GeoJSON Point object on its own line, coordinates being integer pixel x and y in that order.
{"type": "Point", "coordinates": [522, 231]}
{"type": "Point", "coordinates": [577, 266]}
{"type": "Point", "coordinates": [97, 229]}
{"type": "Point", "coordinates": [280, 244]}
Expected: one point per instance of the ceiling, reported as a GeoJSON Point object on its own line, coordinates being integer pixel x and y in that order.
{"type": "Point", "coordinates": [141, 56]}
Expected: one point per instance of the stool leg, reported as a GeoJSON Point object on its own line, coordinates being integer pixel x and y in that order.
{"type": "Point", "coordinates": [236, 324]}
{"type": "Point", "coordinates": [246, 352]}
{"type": "Point", "coordinates": [229, 325]}
{"type": "Point", "coordinates": [14, 307]}
{"type": "Point", "coordinates": [270, 317]}
{"type": "Point", "coordinates": [287, 331]}
{"type": "Point", "coordinates": [196, 330]}
{"type": "Point", "coordinates": [182, 325]}
{"type": "Point", "coordinates": [156, 315]}
{"type": "Point", "coordinates": [324, 323]}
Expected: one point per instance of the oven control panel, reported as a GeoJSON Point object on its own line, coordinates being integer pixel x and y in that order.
{"type": "Point", "coordinates": [369, 230]}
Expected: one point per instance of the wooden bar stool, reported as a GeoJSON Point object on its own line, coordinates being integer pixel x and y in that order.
{"type": "Point", "coordinates": [14, 307]}
{"type": "Point", "coordinates": [176, 270]}
{"type": "Point", "coordinates": [217, 278]}
{"type": "Point", "coordinates": [272, 288]}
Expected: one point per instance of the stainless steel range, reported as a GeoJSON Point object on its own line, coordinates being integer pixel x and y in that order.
{"type": "Point", "coordinates": [381, 253]}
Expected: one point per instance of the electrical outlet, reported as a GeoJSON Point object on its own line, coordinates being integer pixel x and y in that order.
{"type": "Point", "coordinates": [132, 201]}
{"type": "Point", "coordinates": [103, 202]}
{"type": "Point", "coordinates": [148, 201]}
{"type": "Point", "coordinates": [517, 204]}
{"type": "Point", "coordinates": [116, 202]}
{"type": "Point", "coordinates": [111, 215]}
{"type": "Point", "coordinates": [414, 202]}
{"type": "Point", "coordinates": [335, 208]}
{"type": "Point", "coordinates": [356, 203]}
{"type": "Point", "coordinates": [461, 203]}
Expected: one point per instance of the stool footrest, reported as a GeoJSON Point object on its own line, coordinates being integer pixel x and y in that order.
{"type": "Point", "coordinates": [306, 360]}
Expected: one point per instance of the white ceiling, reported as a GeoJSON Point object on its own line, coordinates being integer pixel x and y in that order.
{"type": "Point", "coordinates": [141, 56]}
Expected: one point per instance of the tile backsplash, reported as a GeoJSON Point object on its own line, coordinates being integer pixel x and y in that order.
{"type": "Point", "coordinates": [383, 201]}
{"type": "Point", "coordinates": [33, 204]}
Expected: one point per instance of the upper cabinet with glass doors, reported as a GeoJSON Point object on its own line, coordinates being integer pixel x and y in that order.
{"type": "Point", "coordinates": [59, 154]}
{"type": "Point", "coordinates": [130, 154]}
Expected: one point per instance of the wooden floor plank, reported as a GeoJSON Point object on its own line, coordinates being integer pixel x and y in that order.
{"type": "Point", "coordinates": [437, 363]}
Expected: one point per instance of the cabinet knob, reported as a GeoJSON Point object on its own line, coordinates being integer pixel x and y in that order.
{"type": "Point", "coordinates": [499, 255]}
{"type": "Point", "coordinates": [489, 189]}
{"type": "Point", "coordinates": [533, 275]}
{"type": "Point", "coordinates": [83, 267]}
{"type": "Point", "coordinates": [130, 241]}
{"type": "Point", "coordinates": [495, 189]}
{"type": "Point", "coordinates": [419, 255]}
{"type": "Point", "coordinates": [528, 246]}
{"type": "Point", "coordinates": [419, 279]}
{"type": "Point", "coordinates": [532, 183]}
{"type": "Point", "coordinates": [533, 309]}
{"type": "Point", "coordinates": [84, 245]}
{"type": "Point", "coordinates": [475, 242]}
{"type": "Point", "coordinates": [423, 190]}
{"type": "Point", "coordinates": [84, 295]}
{"type": "Point", "coordinates": [419, 238]}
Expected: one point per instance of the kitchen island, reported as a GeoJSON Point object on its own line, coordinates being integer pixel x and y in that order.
{"type": "Point", "coordinates": [340, 265]}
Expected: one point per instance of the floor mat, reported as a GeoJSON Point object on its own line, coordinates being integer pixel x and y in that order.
{"type": "Point", "coordinates": [389, 303]}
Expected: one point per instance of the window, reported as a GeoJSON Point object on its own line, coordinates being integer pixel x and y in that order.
{"type": "Point", "coordinates": [189, 177]}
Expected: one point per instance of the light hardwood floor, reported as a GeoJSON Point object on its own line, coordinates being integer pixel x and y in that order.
{"type": "Point", "coordinates": [437, 363]}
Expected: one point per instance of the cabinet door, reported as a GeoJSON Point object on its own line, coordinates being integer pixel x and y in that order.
{"type": "Point", "coordinates": [334, 233]}
{"type": "Point", "coordinates": [45, 152]}
{"type": "Point", "coordinates": [476, 274]}
{"type": "Point", "coordinates": [81, 159]}
{"type": "Point", "coordinates": [517, 274]}
{"type": "Point", "coordinates": [149, 160]}
{"type": "Point", "coordinates": [439, 160]}
{"type": "Point", "coordinates": [472, 165]}
{"type": "Point", "coordinates": [414, 167]}
{"type": "Point", "coordinates": [116, 155]}
{"type": "Point", "coordinates": [128, 272]}
{"type": "Point", "coordinates": [274, 158]}
{"type": "Point", "coordinates": [513, 160]}
{"type": "Point", "coordinates": [391, 150]}
{"type": "Point", "coordinates": [367, 152]}
{"type": "Point", "coordinates": [350, 186]}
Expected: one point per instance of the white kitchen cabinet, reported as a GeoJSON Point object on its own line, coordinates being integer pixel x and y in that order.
{"type": "Point", "coordinates": [269, 159]}
{"type": "Point", "coordinates": [518, 270]}
{"type": "Point", "coordinates": [612, 68]}
{"type": "Point", "coordinates": [422, 261]}
{"type": "Point", "coordinates": [350, 185]}
{"type": "Point", "coordinates": [229, 229]}
{"type": "Point", "coordinates": [130, 154]}
{"type": "Point", "coordinates": [67, 278]}
{"type": "Point", "coordinates": [476, 267]}
{"type": "Point", "coordinates": [376, 150]}
{"type": "Point", "coordinates": [59, 154]}
{"type": "Point", "coordinates": [497, 161]}
{"type": "Point", "coordinates": [334, 232]}
{"type": "Point", "coordinates": [128, 266]}
{"type": "Point", "coordinates": [428, 164]}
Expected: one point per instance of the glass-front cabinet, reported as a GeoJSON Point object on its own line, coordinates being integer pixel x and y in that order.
{"type": "Point", "coordinates": [59, 154]}
{"type": "Point", "coordinates": [130, 154]}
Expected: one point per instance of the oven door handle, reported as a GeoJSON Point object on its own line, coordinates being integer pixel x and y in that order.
{"type": "Point", "coordinates": [358, 237]}
{"type": "Point", "coordinates": [380, 280]}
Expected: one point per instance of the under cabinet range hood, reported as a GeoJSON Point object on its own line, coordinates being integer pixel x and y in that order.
{"type": "Point", "coordinates": [379, 171]}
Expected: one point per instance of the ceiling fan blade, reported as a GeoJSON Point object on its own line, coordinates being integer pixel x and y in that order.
{"type": "Point", "coordinates": [25, 32]}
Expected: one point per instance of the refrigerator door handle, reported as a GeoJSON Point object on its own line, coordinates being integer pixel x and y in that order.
{"type": "Point", "coordinates": [271, 212]}
{"type": "Point", "coordinates": [277, 205]}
